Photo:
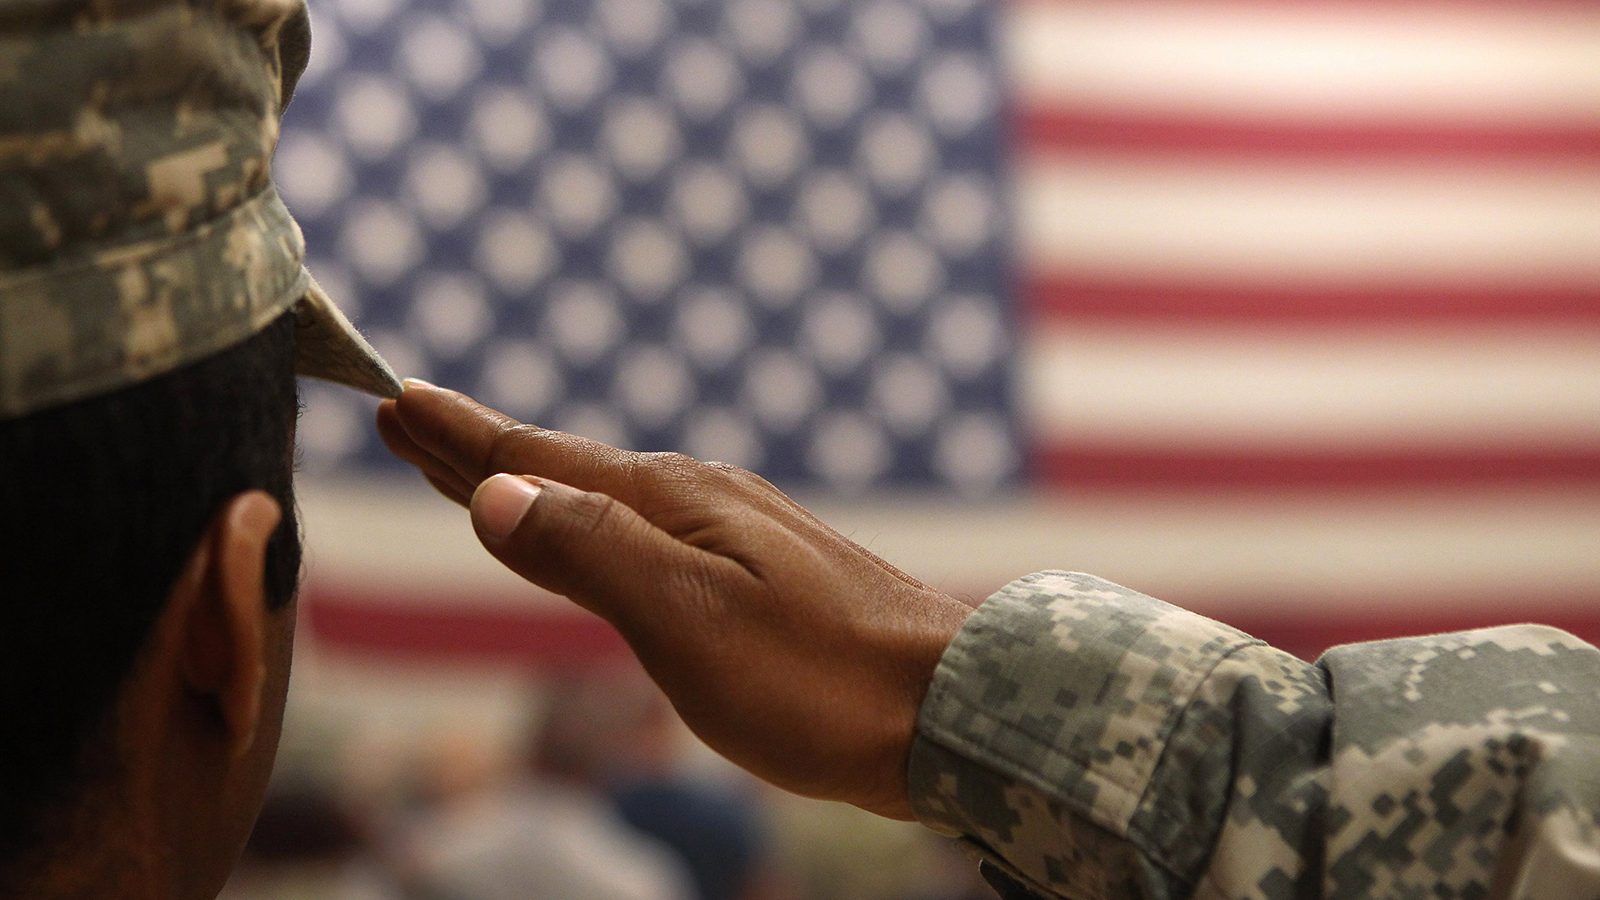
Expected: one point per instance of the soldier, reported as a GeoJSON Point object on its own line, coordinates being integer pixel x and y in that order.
{"type": "Point", "coordinates": [1087, 740]}
{"type": "Point", "coordinates": [153, 314]}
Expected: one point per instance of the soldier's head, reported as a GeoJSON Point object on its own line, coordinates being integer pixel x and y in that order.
{"type": "Point", "coordinates": [154, 313]}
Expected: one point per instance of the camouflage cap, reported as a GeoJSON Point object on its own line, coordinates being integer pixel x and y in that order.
{"type": "Point", "coordinates": [139, 226]}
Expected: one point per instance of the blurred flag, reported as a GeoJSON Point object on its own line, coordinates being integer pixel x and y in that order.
{"type": "Point", "coordinates": [1289, 312]}
{"type": "Point", "coordinates": [754, 231]}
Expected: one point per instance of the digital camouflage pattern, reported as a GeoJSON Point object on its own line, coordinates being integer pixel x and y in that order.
{"type": "Point", "coordinates": [139, 227]}
{"type": "Point", "coordinates": [1093, 742]}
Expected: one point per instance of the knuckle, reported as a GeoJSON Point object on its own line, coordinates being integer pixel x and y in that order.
{"type": "Point", "coordinates": [752, 480]}
{"type": "Point", "coordinates": [593, 515]}
{"type": "Point", "coordinates": [668, 467]}
{"type": "Point", "coordinates": [728, 470]}
{"type": "Point", "coordinates": [739, 479]}
{"type": "Point", "coordinates": [587, 520]}
{"type": "Point", "coordinates": [671, 461]}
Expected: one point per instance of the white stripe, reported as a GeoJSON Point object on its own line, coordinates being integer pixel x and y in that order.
{"type": "Point", "coordinates": [398, 709]}
{"type": "Point", "coordinates": [1501, 63]}
{"type": "Point", "coordinates": [1183, 218]}
{"type": "Point", "coordinates": [1494, 385]}
{"type": "Point", "coordinates": [399, 542]}
{"type": "Point", "coordinates": [1367, 547]}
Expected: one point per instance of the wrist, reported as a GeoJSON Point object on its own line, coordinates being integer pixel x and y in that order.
{"type": "Point", "coordinates": [918, 654]}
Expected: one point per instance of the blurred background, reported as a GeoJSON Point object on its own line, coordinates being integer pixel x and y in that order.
{"type": "Point", "coordinates": [1287, 313]}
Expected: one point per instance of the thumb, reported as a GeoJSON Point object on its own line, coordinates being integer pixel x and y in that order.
{"type": "Point", "coordinates": [585, 545]}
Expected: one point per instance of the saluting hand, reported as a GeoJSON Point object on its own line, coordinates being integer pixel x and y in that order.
{"type": "Point", "coordinates": [788, 648]}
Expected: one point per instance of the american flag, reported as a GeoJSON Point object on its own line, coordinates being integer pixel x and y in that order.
{"type": "Point", "coordinates": [1288, 312]}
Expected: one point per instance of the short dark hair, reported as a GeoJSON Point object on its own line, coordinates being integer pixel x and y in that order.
{"type": "Point", "coordinates": [101, 503]}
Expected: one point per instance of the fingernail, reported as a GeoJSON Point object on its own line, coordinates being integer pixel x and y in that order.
{"type": "Point", "coordinates": [419, 384]}
{"type": "Point", "coordinates": [502, 502]}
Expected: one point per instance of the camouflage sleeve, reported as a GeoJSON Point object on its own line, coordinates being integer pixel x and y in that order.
{"type": "Point", "coordinates": [1092, 742]}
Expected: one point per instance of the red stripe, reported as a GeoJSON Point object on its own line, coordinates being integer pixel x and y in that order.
{"type": "Point", "coordinates": [456, 630]}
{"type": "Point", "coordinates": [1057, 130]}
{"type": "Point", "coordinates": [1072, 297]}
{"type": "Point", "coordinates": [1307, 636]}
{"type": "Point", "coordinates": [450, 631]}
{"type": "Point", "coordinates": [1078, 466]}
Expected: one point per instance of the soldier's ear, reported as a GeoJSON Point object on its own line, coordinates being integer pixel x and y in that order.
{"type": "Point", "coordinates": [221, 608]}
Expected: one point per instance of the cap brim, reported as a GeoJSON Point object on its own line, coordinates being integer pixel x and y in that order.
{"type": "Point", "coordinates": [327, 346]}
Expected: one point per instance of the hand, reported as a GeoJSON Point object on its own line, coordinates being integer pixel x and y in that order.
{"type": "Point", "coordinates": [786, 647]}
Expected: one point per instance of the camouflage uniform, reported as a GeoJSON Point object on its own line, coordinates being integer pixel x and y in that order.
{"type": "Point", "coordinates": [1094, 742]}
{"type": "Point", "coordinates": [139, 227]}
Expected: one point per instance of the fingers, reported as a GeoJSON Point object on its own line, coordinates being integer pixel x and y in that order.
{"type": "Point", "coordinates": [449, 482]}
{"type": "Point", "coordinates": [457, 442]}
{"type": "Point", "coordinates": [592, 549]}
{"type": "Point", "coordinates": [471, 442]}
{"type": "Point", "coordinates": [450, 490]}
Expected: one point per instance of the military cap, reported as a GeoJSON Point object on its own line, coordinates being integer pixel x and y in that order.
{"type": "Point", "coordinates": [139, 226]}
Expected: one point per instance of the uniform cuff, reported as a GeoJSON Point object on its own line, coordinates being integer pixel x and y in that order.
{"type": "Point", "coordinates": [1048, 714]}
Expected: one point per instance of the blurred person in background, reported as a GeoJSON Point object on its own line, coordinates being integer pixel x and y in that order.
{"type": "Point", "coordinates": [616, 733]}
{"type": "Point", "coordinates": [549, 832]}
{"type": "Point", "coordinates": [1087, 740]}
{"type": "Point", "coordinates": [154, 312]}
